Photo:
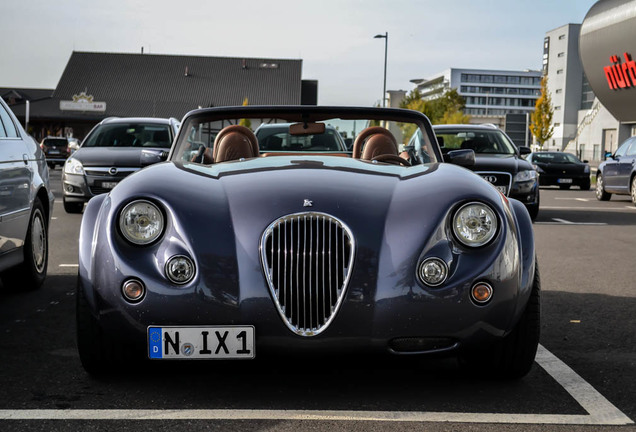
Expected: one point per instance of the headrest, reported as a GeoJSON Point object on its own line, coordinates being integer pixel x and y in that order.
{"type": "Point", "coordinates": [235, 142]}
{"type": "Point", "coordinates": [372, 131]}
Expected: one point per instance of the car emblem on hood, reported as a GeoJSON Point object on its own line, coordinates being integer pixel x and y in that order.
{"type": "Point", "coordinates": [308, 203]}
{"type": "Point", "coordinates": [112, 171]}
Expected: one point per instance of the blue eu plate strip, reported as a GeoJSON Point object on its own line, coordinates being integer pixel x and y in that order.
{"type": "Point", "coordinates": [154, 343]}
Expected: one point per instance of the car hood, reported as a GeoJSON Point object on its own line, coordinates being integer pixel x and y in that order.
{"type": "Point", "coordinates": [120, 157]}
{"type": "Point", "coordinates": [500, 162]}
{"type": "Point", "coordinates": [253, 193]}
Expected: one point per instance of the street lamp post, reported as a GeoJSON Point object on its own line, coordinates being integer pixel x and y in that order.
{"type": "Point", "coordinates": [385, 36]}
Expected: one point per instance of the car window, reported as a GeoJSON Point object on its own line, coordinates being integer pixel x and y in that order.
{"type": "Point", "coordinates": [7, 128]}
{"type": "Point", "coordinates": [555, 158]}
{"type": "Point", "coordinates": [130, 135]}
{"type": "Point", "coordinates": [481, 141]}
{"type": "Point", "coordinates": [622, 150]}
{"type": "Point", "coordinates": [631, 151]}
{"type": "Point", "coordinates": [55, 142]}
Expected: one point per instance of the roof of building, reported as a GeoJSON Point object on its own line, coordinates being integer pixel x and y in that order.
{"type": "Point", "coordinates": [13, 95]}
{"type": "Point", "coordinates": [151, 85]}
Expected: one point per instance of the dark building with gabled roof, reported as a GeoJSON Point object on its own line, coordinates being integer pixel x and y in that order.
{"type": "Point", "coordinates": [94, 86]}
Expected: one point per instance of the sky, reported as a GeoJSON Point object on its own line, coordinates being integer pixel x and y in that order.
{"type": "Point", "coordinates": [333, 38]}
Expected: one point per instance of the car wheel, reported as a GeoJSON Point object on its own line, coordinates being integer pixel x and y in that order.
{"type": "Point", "coordinates": [585, 186]}
{"type": "Point", "coordinates": [513, 356]}
{"type": "Point", "coordinates": [601, 195]}
{"type": "Point", "coordinates": [563, 187]}
{"type": "Point", "coordinates": [634, 190]}
{"type": "Point", "coordinates": [99, 353]}
{"type": "Point", "coordinates": [51, 165]}
{"type": "Point", "coordinates": [31, 273]}
{"type": "Point", "coordinates": [73, 207]}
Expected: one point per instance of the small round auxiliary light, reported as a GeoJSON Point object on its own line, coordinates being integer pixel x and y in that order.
{"type": "Point", "coordinates": [481, 292]}
{"type": "Point", "coordinates": [180, 269]}
{"type": "Point", "coordinates": [133, 290]}
{"type": "Point", "coordinates": [433, 272]}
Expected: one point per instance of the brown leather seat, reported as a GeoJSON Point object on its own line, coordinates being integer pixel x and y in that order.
{"type": "Point", "coordinates": [374, 141]}
{"type": "Point", "coordinates": [233, 143]}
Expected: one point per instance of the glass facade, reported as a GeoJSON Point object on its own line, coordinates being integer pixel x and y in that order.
{"type": "Point", "coordinates": [499, 94]}
{"type": "Point", "coordinates": [587, 94]}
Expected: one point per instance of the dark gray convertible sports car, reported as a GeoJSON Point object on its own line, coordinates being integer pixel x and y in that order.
{"type": "Point", "coordinates": [228, 252]}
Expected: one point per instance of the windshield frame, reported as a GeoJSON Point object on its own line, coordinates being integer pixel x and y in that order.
{"type": "Point", "coordinates": [299, 114]}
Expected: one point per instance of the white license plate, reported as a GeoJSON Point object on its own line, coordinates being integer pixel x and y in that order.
{"type": "Point", "coordinates": [230, 342]}
{"type": "Point", "coordinates": [564, 181]}
{"type": "Point", "coordinates": [54, 152]}
{"type": "Point", "coordinates": [109, 185]}
{"type": "Point", "coordinates": [502, 189]}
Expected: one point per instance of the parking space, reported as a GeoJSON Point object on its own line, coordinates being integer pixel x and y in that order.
{"type": "Point", "coordinates": [584, 371]}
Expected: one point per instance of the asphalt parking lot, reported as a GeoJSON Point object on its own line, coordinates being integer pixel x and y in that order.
{"type": "Point", "coordinates": [584, 377]}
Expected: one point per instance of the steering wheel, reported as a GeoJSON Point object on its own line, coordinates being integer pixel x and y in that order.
{"type": "Point", "coordinates": [391, 158]}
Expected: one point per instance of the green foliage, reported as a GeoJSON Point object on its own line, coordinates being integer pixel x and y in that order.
{"type": "Point", "coordinates": [541, 119]}
{"type": "Point", "coordinates": [447, 109]}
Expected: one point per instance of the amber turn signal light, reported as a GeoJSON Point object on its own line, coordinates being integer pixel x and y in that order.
{"type": "Point", "coordinates": [481, 292]}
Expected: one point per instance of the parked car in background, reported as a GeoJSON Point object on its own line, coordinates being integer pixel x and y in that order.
{"type": "Point", "coordinates": [560, 169]}
{"type": "Point", "coordinates": [274, 255]}
{"type": "Point", "coordinates": [113, 149]}
{"type": "Point", "coordinates": [276, 137]}
{"type": "Point", "coordinates": [26, 205]}
{"type": "Point", "coordinates": [617, 173]}
{"type": "Point", "coordinates": [56, 149]}
{"type": "Point", "coordinates": [497, 160]}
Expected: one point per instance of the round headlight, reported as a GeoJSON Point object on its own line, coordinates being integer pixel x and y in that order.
{"type": "Point", "coordinates": [141, 222]}
{"type": "Point", "coordinates": [475, 224]}
{"type": "Point", "coordinates": [180, 269]}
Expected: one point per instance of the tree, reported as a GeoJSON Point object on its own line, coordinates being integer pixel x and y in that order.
{"type": "Point", "coordinates": [541, 119]}
{"type": "Point", "coordinates": [245, 122]}
{"type": "Point", "coordinates": [447, 109]}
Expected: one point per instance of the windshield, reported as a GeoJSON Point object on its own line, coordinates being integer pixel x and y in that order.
{"type": "Point", "coordinates": [481, 141]}
{"type": "Point", "coordinates": [130, 135]}
{"type": "Point", "coordinates": [59, 142]}
{"type": "Point", "coordinates": [555, 158]}
{"type": "Point", "coordinates": [279, 136]}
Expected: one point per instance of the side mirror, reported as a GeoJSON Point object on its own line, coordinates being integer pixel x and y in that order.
{"type": "Point", "coordinates": [149, 156]}
{"type": "Point", "coordinates": [523, 150]}
{"type": "Point", "coordinates": [586, 161]}
{"type": "Point", "coordinates": [463, 157]}
{"type": "Point", "coordinates": [609, 155]}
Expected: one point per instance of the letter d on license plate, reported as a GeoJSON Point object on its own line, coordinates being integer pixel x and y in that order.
{"type": "Point", "coordinates": [229, 342]}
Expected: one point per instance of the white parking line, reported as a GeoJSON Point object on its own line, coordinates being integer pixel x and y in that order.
{"type": "Point", "coordinates": [605, 209]}
{"type": "Point", "coordinates": [567, 222]}
{"type": "Point", "coordinates": [573, 199]}
{"type": "Point", "coordinates": [600, 410]}
{"type": "Point", "coordinates": [69, 265]}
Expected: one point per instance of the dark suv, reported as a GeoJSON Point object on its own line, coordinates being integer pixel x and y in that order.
{"type": "Point", "coordinates": [497, 160]}
{"type": "Point", "coordinates": [113, 149]}
{"type": "Point", "coordinates": [617, 174]}
{"type": "Point", "coordinates": [56, 149]}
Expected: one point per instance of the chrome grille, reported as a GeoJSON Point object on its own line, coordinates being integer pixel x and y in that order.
{"type": "Point", "coordinates": [307, 259]}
